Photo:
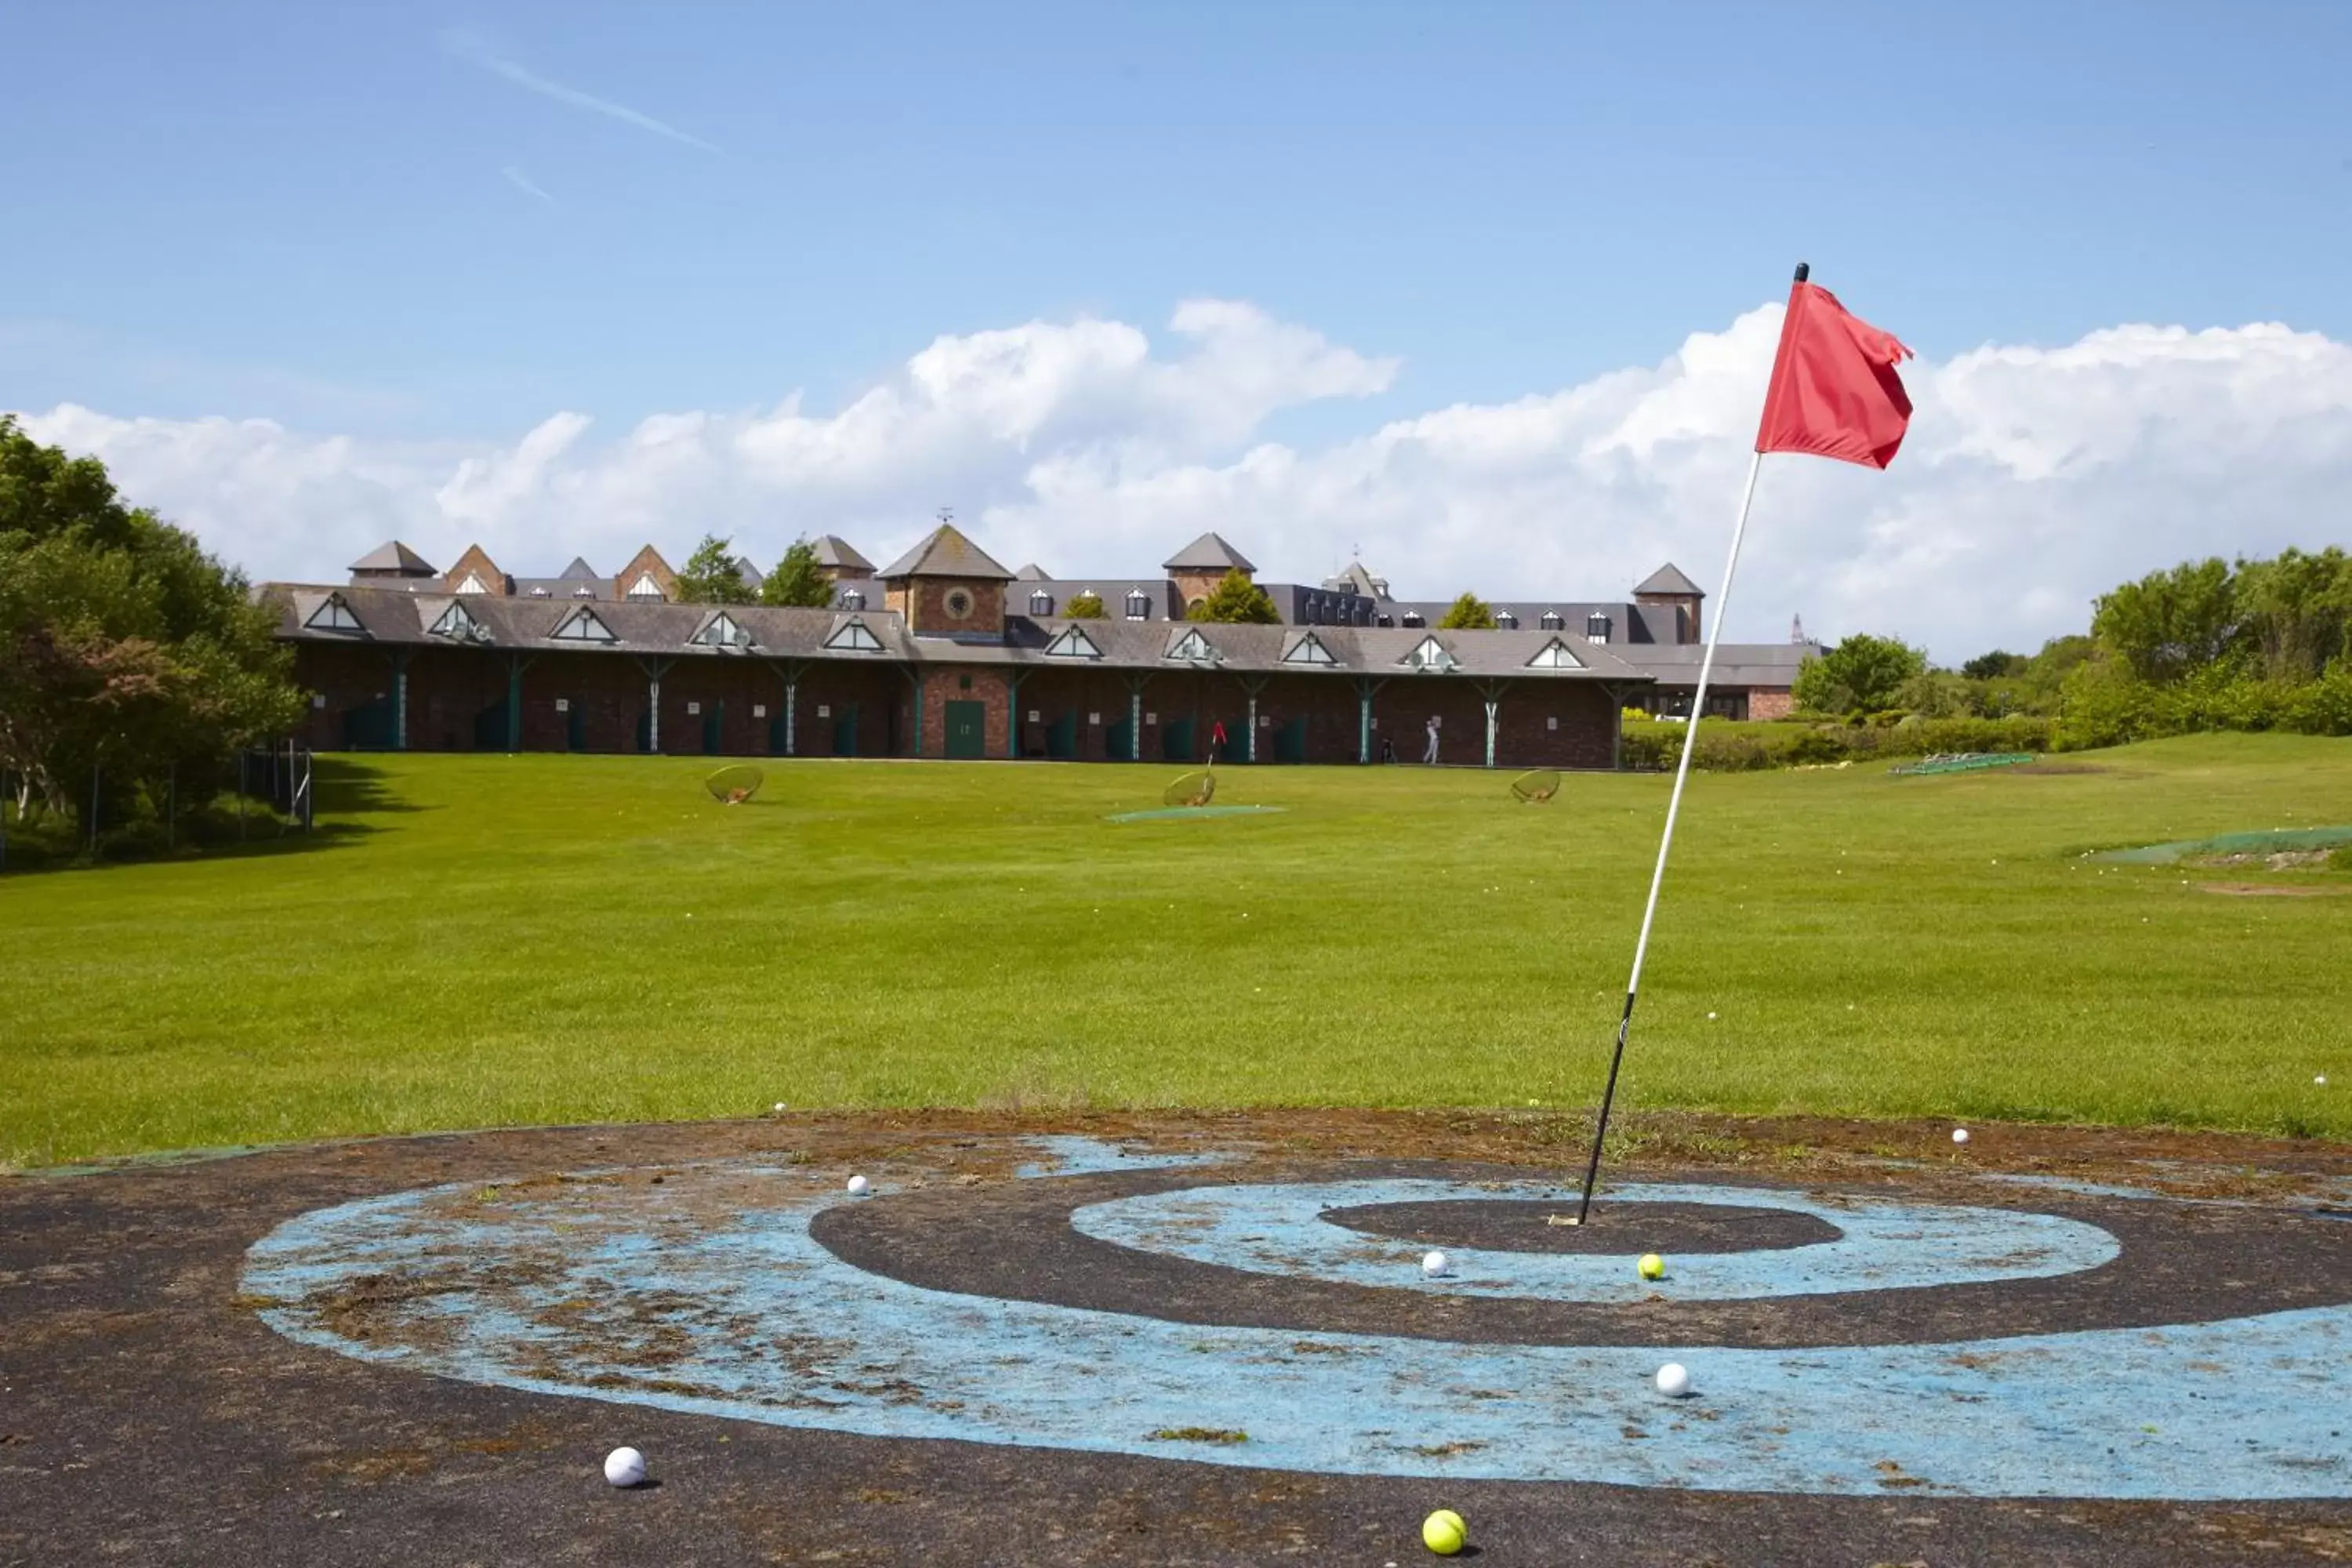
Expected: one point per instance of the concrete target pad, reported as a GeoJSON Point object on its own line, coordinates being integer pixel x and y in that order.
{"type": "Point", "coordinates": [478, 1318]}
{"type": "Point", "coordinates": [714, 1294]}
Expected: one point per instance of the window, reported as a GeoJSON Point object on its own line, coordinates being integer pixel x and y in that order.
{"type": "Point", "coordinates": [1308, 649]}
{"type": "Point", "coordinates": [851, 599]}
{"type": "Point", "coordinates": [723, 632]}
{"type": "Point", "coordinates": [1506, 621]}
{"type": "Point", "coordinates": [1194, 646]}
{"type": "Point", "coordinates": [472, 584]}
{"type": "Point", "coordinates": [459, 622]}
{"type": "Point", "coordinates": [1041, 603]}
{"type": "Point", "coordinates": [539, 593]}
{"type": "Point", "coordinates": [644, 587]}
{"type": "Point", "coordinates": [1430, 655]}
{"type": "Point", "coordinates": [958, 603]}
{"type": "Point", "coordinates": [1413, 618]}
{"type": "Point", "coordinates": [583, 591]}
{"type": "Point", "coordinates": [1382, 621]}
{"type": "Point", "coordinates": [852, 637]}
{"type": "Point", "coordinates": [581, 626]}
{"type": "Point", "coordinates": [1138, 604]}
{"type": "Point", "coordinates": [1596, 627]}
{"type": "Point", "coordinates": [1072, 642]}
{"type": "Point", "coordinates": [334, 615]}
{"type": "Point", "coordinates": [1555, 656]}
{"type": "Point", "coordinates": [1551, 621]}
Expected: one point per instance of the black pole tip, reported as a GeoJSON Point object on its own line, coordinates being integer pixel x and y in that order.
{"type": "Point", "coordinates": [1804, 271]}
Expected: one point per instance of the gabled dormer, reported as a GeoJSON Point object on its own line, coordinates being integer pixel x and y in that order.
{"type": "Point", "coordinates": [334, 613]}
{"type": "Point", "coordinates": [459, 623]}
{"type": "Point", "coordinates": [1430, 655]}
{"type": "Point", "coordinates": [647, 579]}
{"type": "Point", "coordinates": [853, 636]}
{"type": "Point", "coordinates": [1072, 642]}
{"type": "Point", "coordinates": [1307, 648]}
{"type": "Point", "coordinates": [1193, 647]}
{"type": "Point", "coordinates": [1555, 654]}
{"type": "Point", "coordinates": [476, 573]}
{"type": "Point", "coordinates": [724, 632]}
{"type": "Point", "coordinates": [583, 626]}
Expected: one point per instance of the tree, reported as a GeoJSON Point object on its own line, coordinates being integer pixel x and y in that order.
{"type": "Point", "coordinates": [1470, 614]}
{"type": "Point", "coordinates": [2170, 623]}
{"type": "Point", "coordinates": [2296, 611]}
{"type": "Point", "coordinates": [712, 577]}
{"type": "Point", "coordinates": [1995, 666]}
{"type": "Point", "coordinates": [124, 648]}
{"type": "Point", "coordinates": [798, 579]}
{"type": "Point", "coordinates": [1085, 606]}
{"type": "Point", "coordinates": [1861, 675]}
{"type": "Point", "coordinates": [1235, 601]}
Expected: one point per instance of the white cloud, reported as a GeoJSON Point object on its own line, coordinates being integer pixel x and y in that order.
{"type": "Point", "coordinates": [2033, 477]}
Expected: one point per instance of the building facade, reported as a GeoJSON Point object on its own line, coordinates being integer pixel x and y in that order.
{"type": "Point", "coordinates": [946, 654]}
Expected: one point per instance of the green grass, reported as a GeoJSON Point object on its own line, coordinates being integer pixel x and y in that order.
{"type": "Point", "coordinates": [499, 940]}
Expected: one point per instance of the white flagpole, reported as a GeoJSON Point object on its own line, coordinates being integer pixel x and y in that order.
{"type": "Point", "coordinates": [1666, 841]}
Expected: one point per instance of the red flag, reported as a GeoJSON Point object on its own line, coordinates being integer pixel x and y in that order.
{"type": "Point", "coordinates": [1834, 391]}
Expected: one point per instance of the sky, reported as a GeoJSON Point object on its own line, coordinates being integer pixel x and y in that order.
{"type": "Point", "coordinates": [1486, 292]}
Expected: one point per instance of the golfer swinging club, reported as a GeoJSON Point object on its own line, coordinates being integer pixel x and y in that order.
{"type": "Point", "coordinates": [1429, 756]}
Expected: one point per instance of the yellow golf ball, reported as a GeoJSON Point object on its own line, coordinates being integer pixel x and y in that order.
{"type": "Point", "coordinates": [1443, 1533]}
{"type": "Point", "coordinates": [1652, 1266]}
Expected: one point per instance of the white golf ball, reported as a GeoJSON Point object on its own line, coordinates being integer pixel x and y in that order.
{"type": "Point", "coordinates": [624, 1467]}
{"type": "Point", "coordinates": [857, 1185]}
{"type": "Point", "coordinates": [1959, 1134]}
{"type": "Point", "coordinates": [2321, 1080]}
{"type": "Point", "coordinates": [780, 1106]}
{"type": "Point", "coordinates": [1673, 1380]}
{"type": "Point", "coordinates": [1434, 1265]}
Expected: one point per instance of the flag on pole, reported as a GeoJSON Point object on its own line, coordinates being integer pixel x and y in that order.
{"type": "Point", "coordinates": [1834, 393]}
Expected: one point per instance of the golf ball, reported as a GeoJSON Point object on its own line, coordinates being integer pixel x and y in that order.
{"type": "Point", "coordinates": [2321, 1080]}
{"type": "Point", "coordinates": [1434, 1265]}
{"type": "Point", "coordinates": [1959, 1134]}
{"type": "Point", "coordinates": [1673, 1380]}
{"type": "Point", "coordinates": [624, 1467]}
{"type": "Point", "coordinates": [857, 1185]}
{"type": "Point", "coordinates": [1651, 1267]}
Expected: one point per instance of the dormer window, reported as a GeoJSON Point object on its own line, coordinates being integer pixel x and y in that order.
{"type": "Point", "coordinates": [1193, 647]}
{"type": "Point", "coordinates": [583, 591]}
{"type": "Point", "coordinates": [1138, 604]}
{"type": "Point", "coordinates": [646, 588]}
{"type": "Point", "coordinates": [1041, 603]}
{"type": "Point", "coordinates": [852, 600]}
{"type": "Point", "coordinates": [1430, 655]}
{"type": "Point", "coordinates": [723, 632]}
{"type": "Point", "coordinates": [1596, 627]}
{"type": "Point", "coordinates": [854, 637]}
{"type": "Point", "coordinates": [539, 594]}
{"type": "Point", "coordinates": [1072, 642]}
{"type": "Point", "coordinates": [1413, 618]}
{"type": "Point", "coordinates": [458, 624]}
{"type": "Point", "coordinates": [1506, 621]}
{"type": "Point", "coordinates": [334, 615]}
{"type": "Point", "coordinates": [581, 626]}
{"type": "Point", "coordinates": [1552, 621]}
{"type": "Point", "coordinates": [1308, 649]}
{"type": "Point", "coordinates": [1555, 654]}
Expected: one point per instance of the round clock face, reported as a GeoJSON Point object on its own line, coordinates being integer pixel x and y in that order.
{"type": "Point", "coordinates": [958, 603]}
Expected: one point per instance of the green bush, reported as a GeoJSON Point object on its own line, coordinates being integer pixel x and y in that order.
{"type": "Point", "coordinates": [1733, 747]}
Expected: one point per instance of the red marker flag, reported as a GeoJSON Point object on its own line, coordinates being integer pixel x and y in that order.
{"type": "Point", "coordinates": [1834, 392]}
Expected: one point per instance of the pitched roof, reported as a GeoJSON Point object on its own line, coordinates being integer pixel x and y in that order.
{"type": "Point", "coordinates": [1669, 579]}
{"type": "Point", "coordinates": [1356, 580]}
{"type": "Point", "coordinates": [579, 571]}
{"type": "Point", "coordinates": [945, 553]}
{"type": "Point", "coordinates": [1208, 553]}
{"type": "Point", "coordinates": [832, 550]}
{"type": "Point", "coordinates": [1032, 572]}
{"type": "Point", "coordinates": [394, 557]}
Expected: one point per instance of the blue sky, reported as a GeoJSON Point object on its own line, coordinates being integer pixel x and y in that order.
{"type": "Point", "coordinates": [216, 206]}
{"type": "Point", "coordinates": [438, 225]}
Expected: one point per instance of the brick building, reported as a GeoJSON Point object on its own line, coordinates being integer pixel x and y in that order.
{"type": "Point", "coordinates": [944, 653]}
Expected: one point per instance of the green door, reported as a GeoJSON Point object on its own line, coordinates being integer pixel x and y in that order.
{"type": "Point", "coordinates": [967, 731]}
{"type": "Point", "coordinates": [575, 726]}
{"type": "Point", "coordinates": [369, 728]}
{"type": "Point", "coordinates": [1177, 738]}
{"type": "Point", "coordinates": [1290, 742]}
{"type": "Point", "coordinates": [490, 728]}
{"type": "Point", "coordinates": [645, 729]}
{"type": "Point", "coordinates": [714, 730]}
{"type": "Point", "coordinates": [1121, 744]}
{"type": "Point", "coordinates": [776, 734]}
{"type": "Point", "coordinates": [844, 730]}
{"type": "Point", "coordinates": [1062, 737]}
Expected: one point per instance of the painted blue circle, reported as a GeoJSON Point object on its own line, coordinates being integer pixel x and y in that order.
{"type": "Point", "coordinates": [1883, 1246]}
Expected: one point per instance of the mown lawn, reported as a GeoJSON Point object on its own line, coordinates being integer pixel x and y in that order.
{"type": "Point", "coordinates": [499, 940]}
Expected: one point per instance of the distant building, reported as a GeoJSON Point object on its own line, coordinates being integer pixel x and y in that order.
{"type": "Point", "coordinates": [945, 653]}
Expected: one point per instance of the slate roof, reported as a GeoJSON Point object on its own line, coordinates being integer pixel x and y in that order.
{"type": "Point", "coordinates": [1209, 552]}
{"type": "Point", "coordinates": [1111, 591]}
{"type": "Point", "coordinates": [1356, 580]}
{"type": "Point", "coordinates": [394, 557]}
{"type": "Point", "coordinates": [1032, 572]}
{"type": "Point", "coordinates": [579, 570]}
{"type": "Point", "coordinates": [837, 552]}
{"type": "Point", "coordinates": [945, 553]}
{"type": "Point", "coordinates": [1668, 579]}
